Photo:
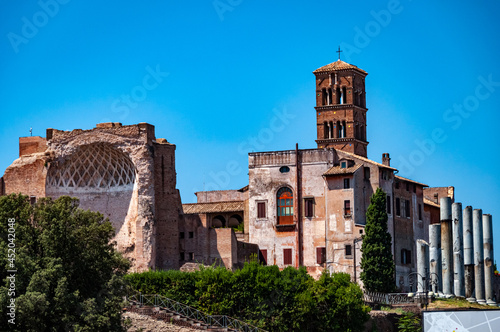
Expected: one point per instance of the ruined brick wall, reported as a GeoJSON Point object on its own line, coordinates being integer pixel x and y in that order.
{"type": "Point", "coordinates": [221, 196]}
{"type": "Point", "coordinates": [223, 247]}
{"type": "Point", "coordinates": [32, 144]}
{"type": "Point", "coordinates": [434, 194]}
{"type": "Point", "coordinates": [167, 206]}
{"type": "Point", "coordinates": [112, 169]}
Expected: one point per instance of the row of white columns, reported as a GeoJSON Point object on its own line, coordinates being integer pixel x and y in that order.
{"type": "Point", "coordinates": [459, 255]}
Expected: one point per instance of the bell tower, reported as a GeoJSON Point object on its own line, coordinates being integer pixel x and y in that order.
{"type": "Point", "coordinates": [341, 107]}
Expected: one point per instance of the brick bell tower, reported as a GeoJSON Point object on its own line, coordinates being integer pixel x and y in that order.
{"type": "Point", "coordinates": [341, 107]}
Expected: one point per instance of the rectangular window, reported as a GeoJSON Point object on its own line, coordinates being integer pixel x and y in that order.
{"type": "Point", "coordinates": [405, 256]}
{"type": "Point", "coordinates": [182, 256]}
{"type": "Point", "coordinates": [181, 235]}
{"type": "Point", "coordinates": [347, 208]}
{"type": "Point", "coordinates": [263, 256]}
{"type": "Point", "coordinates": [367, 173]}
{"type": "Point", "coordinates": [320, 255]}
{"type": "Point", "coordinates": [191, 235]}
{"type": "Point", "coordinates": [32, 200]}
{"type": "Point", "coordinates": [388, 204]}
{"type": "Point", "coordinates": [309, 207]}
{"type": "Point", "coordinates": [398, 207]}
{"type": "Point", "coordinates": [397, 184]}
{"type": "Point", "coordinates": [414, 188]}
{"type": "Point", "coordinates": [287, 256]}
{"type": "Point", "coordinates": [347, 184]}
{"type": "Point", "coordinates": [348, 250]}
{"type": "Point", "coordinates": [261, 210]}
{"type": "Point", "coordinates": [343, 164]}
{"type": "Point", "coordinates": [407, 186]}
{"type": "Point", "coordinates": [190, 256]}
{"type": "Point", "coordinates": [403, 208]}
{"type": "Point", "coordinates": [408, 215]}
{"type": "Point", "coordinates": [419, 211]}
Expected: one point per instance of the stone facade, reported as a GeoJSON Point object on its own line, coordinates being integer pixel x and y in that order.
{"type": "Point", "coordinates": [124, 172]}
{"type": "Point", "coordinates": [300, 208]}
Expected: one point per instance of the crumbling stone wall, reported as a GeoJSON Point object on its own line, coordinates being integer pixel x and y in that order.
{"type": "Point", "coordinates": [121, 171]}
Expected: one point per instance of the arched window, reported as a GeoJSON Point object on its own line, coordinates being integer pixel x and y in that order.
{"type": "Point", "coordinates": [344, 95]}
{"type": "Point", "coordinates": [323, 96]}
{"type": "Point", "coordinates": [325, 130]}
{"type": "Point", "coordinates": [329, 96]}
{"type": "Point", "coordinates": [235, 222]}
{"type": "Point", "coordinates": [218, 222]}
{"type": "Point", "coordinates": [338, 95]}
{"type": "Point", "coordinates": [330, 133]}
{"type": "Point", "coordinates": [284, 199]}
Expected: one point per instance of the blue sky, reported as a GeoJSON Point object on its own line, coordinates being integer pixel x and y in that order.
{"type": "Point", "coordinates": [235, 76]}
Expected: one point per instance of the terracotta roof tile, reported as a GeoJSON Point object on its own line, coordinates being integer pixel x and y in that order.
{"type": "Point", "coordinates": [234, 206]}
{"type": "Point", "coordinates": [408, 180]}
{"type": "Point", "coordinates": [338, 65]}
{"type": "Point", "coordinates": [431, 203]}
{"type": "Point", "coordinates": [337, 170]}
{"type": "Point", "coordinates": [365, 159]}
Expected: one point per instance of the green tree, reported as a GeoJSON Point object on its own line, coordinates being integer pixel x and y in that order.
{"type": "Point", "coordinates": [69, 276]}
{"type": "Point", "coordinates": [377, 261]}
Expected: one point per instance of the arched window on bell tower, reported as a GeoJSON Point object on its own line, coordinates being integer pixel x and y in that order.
{"type": "Point", "coordinates": [330, 96]}
{"type": "Point", "coordinates": [323, 97]}
{"type": "Point", "coordinates": [330, 133]}
{"type": "Point", "coordinates": [325, 130]}
{"type": "Point", "coordinates": [344, 95]}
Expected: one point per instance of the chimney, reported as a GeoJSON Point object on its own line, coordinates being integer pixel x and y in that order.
{"type": "Point", "coordinates": [385, 159]}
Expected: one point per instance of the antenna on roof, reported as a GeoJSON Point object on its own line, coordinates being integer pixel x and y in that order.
{"type": "Point", "coordinates": [31, 131]}
{"type": "Point", "coordinates": [339, 52]}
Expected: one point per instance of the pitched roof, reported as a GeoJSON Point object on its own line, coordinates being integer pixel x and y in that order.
{"type": "Point", "coordinates": [337, 170]}
{"type": "Point", "coordinates": [338, 65]}
{"type": "Point", "coordinates": [431, 203]}
{"type": "Point", "coordinates": [408, 180]}
{"type": "Point", "coordinates": [365, 159]}
{"type": "Point", "coordinates": [194, 208]}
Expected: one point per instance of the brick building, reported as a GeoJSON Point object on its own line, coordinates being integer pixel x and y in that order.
{"type": "Point", "coordinates": [124, 172]}
{"type": "Point", "coordinates": [302, 207]}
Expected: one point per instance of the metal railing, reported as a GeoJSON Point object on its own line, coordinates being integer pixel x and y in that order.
{"type": "Point", "coordinates": [191, 313]}
{"type": "Point", "coordinates": [387, 298]}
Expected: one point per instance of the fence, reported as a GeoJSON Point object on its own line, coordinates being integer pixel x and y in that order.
{"type": "Point", "coordinates": [190, 313]}
{"type": "Point", "coordinates": [387, 298]}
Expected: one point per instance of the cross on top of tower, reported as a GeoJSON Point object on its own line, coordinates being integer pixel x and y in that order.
{"type": "Point", "coordinates": [339, 52]}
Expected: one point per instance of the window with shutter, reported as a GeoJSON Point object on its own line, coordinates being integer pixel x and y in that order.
{"type": "Point", "coordinates": [263, 256]}
{"type": "Point", "coordinates": [309, 207]}
{"type": "Point", "coordinates": [287, 256]}
{"type": "Point", "coordinates": [320, 255]}
{"type": "Point", "coordinates": [261, 209]}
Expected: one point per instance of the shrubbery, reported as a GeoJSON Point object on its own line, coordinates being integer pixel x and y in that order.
{"type": "Point", "coordinates": [264, 296]}
{"type": "Point", "coordinates": [69, 276]}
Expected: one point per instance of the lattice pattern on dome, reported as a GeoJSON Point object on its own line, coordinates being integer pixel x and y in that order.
{"type": "Point", "coordinates": [93, 166]}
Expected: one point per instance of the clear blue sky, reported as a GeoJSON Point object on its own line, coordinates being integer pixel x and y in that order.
{"type": "Point", "coordinates": [226, 68]}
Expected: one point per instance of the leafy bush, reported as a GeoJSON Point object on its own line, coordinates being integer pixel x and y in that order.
{"type": "Point", "coordinates": [264, 296]}
{"type": "Point", "coordinates": [69, 276]}
{"type": "Point", "coordinates": [409, 323]}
